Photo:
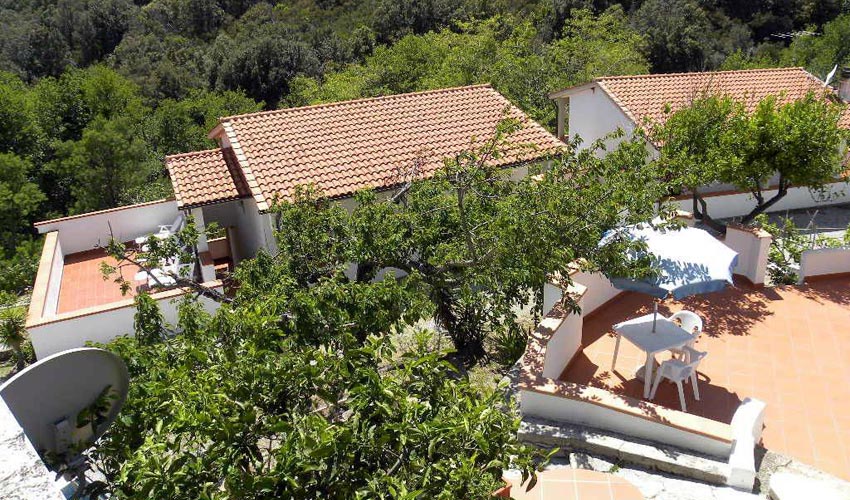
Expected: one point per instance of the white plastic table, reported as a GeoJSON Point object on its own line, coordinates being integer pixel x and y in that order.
{"type": "Point", "coordinates": [667, 335]}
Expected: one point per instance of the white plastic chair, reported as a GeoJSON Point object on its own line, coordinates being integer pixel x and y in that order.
{"type": "Point", "coordinates": [678, 371]}
{"type": "Point", "coordinates": [691, 323]}
{"type": "Point", "coordinates": [173, 227]}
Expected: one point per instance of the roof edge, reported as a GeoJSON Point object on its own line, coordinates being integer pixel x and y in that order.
{"type": "Point", "coordinates": [104, 211]}
{"type": "Point", "coordinates": [350, 101]}
{"type": "Point", "coordinates": [683, 73]}
{"type": "Point", "coordinates": [245, 166]}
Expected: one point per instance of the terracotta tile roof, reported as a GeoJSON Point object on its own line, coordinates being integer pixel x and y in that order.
{"type": "Point", "coordinates": [346, 146]}
{"type": "Point", "coordinates": [645, 96]}
{"type": "Point", "coordinates": [205, 177]}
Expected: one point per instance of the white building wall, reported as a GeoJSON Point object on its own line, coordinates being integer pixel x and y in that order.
{"type": "Point", "coordinates": [824, 262]}
{"type": "Point", "coordinates": [737, 204]}
{"type": "Point", "coordinates": [252, 229]}
{"type": "Point", "coordinates": [85, 232]}
{"type": "Point", "coordinates": [100, 326]}
{"type": "Point", "coordinates": [593, 115]}
{"type": "Point", "coordinates": [51, 302]}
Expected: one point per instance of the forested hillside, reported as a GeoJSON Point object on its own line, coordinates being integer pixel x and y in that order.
{"type": "Point", "coordinates": [93, 93]}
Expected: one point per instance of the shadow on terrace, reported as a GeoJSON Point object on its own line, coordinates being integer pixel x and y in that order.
{"type": "Point", "coordinates": [786, 346]}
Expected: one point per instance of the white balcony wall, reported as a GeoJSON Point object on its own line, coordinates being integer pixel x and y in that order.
{"type": "Point", "coordinates": [102, 324]}
{"type": "Point", "coordinates": [57, 265]}
{"type": "Point", "coordinates": [87, 231]}
{"type": "Point", "coordinates": [752, 247]}
{"type": "Point", "coordinates": [824, 262]}
{"type": "Point", "coordinates": [594, 414]}
{"type": "Point", "coordinates": [728, 205]}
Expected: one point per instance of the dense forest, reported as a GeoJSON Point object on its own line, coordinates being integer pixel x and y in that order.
{"type": "Point", "coordinates": [94, 93]}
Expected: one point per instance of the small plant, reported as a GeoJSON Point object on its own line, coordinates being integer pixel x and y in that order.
{"type": "Point", "coordinates": [13, 333]}
{"type": "Point", "coordinates": [788, 246]}
{"type": "Point", "coordinates": [148, 322]}
{"type": "Point", "coordinates": [508, 343]}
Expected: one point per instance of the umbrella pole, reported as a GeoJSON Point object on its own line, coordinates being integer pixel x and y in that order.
{"type": "Point", "coordinates": [654, 314]}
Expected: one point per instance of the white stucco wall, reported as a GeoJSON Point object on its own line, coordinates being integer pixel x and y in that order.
{"type": "Point", "coordinates": [752, 248]}
{"type": "Point", "coordinates": [564, 343]}
{"type": "Point", "coordinates": [252, 228]}
{"type": "Point", "coordinates": [85, 232]}
{"type": "Point", "coordinates": [51, 300]}
{"type": "Point", "coordinates": [598, 291]}
{"type": "Point", "coordinates": [593, 115]}
{"type": "Point", "coordinates": [824, 261]}
{"type": "Point", "coordinates": [738, 204]}
{"type": "Point", "coordinates": [554, 407]}
{"type": "Point", "coordinates": [76, 329]}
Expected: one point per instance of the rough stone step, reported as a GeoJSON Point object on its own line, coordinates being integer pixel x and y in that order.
{"type": "Point", "coordinates": [622, 449]}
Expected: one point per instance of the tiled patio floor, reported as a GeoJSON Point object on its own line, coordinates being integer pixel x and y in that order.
{"type": "Point", "coordinates": [788, 346]}
{"type": "Point", "coordinates": [83, 284]}
{"type": "Point", "coordinates": [576, 484]}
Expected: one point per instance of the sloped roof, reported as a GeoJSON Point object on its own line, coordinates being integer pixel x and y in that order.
{"type": "Point", "coordinates": [644, 97]}
{"type": "Point", "coordinates": [205, 177]}
{"type": "Point", "coordinates": [347, 146]}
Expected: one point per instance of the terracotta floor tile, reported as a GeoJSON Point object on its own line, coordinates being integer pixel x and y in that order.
{"type": "Point", "coordinates": [83, 285]}
{"type": "Point", "coordinates": [788, 346]}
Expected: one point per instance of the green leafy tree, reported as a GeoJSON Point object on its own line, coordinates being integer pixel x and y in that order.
{"type": "Point", "coordinates": [182, 125]}
{"type": "Point", "coordinates": [104, 165]}
{"type": "Point", "coordinates": [264, 62]}
{"type": "Point", "coordinates": [262, 407]}
{"type": "Point", "coordinates": [19, 131]}
{"type": "Point", "coordinates": [93, 28]}
{"type": "Point", "coordinates": [396, 18]}
{"type": "Point", "coordinates": [799, 142]}
{"type": "Point", "coordinates": [796, 144]}
{"type": "Point", "coordinates": [694, 147]}
{"type": "Point", "coordinates": [473, 243]}
{"type": "Point", "coordinates": [20, 199]}
{"type": "Point", "coordinates": [684, 37]}
{"type": "Point", "coordinates": [819, 54]}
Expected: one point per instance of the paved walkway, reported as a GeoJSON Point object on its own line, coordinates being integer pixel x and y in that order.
{"type": "Point", "coordinates": [654, 485]}
{"type": "Point", "coordinates": [788, 346]}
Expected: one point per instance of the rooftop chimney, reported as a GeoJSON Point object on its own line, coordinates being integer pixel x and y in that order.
{"type": "Point", "coordinates": [844, 84]}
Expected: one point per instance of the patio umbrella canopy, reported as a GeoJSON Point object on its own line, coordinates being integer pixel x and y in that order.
{"type": "Point", "coordinates": [689, 261]}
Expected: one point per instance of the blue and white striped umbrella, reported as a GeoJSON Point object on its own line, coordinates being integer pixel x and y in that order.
{"type": "Point", "coordinates": [688, 261]}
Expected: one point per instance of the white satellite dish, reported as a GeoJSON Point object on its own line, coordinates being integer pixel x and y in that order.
{"type": "Point", "coordinates": [66, 401]}
{"type": "Point", "coordinates": [830, 75]}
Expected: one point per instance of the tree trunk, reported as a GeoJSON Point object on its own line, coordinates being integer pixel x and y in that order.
{"type": "Point", "coordinates": [761, 207]}
{"type": "Point", "coordinates": [703, 216]}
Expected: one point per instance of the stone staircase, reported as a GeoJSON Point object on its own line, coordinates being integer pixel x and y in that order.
{"type": "Point", "coordinates": [570, 438]}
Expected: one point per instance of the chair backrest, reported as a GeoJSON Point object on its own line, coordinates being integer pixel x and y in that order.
{"type": "Point", "coordinates": [694, 357]}
{"type": "Point", "coordinates": [676, 369]}
{"type": "Point", "coordinates": [690, 322]}
{"type": "Point", "coordinates": [175, 226]}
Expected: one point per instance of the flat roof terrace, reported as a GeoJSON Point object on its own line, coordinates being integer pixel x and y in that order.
{"type": "Point", "coordinates": [83, 284]}
{"type": "Point", "coordinates": [788, 346]}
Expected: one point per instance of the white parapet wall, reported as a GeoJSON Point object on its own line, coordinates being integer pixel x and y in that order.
{"type": "Point", "coordinates": [103, 323]}
{"type": "Point", "coordinates": [824, 262]}
{"type": "Point", "coordinates": [79, 233]}
{"type": "Point", "coordinates": [735, 204]}
{"type": "Point", "coordinates": [753, 246]}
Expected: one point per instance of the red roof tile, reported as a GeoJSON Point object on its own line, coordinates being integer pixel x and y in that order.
{"type": "Point", "coordinates": [646, 96]}
{"type": "Point", "coordinates": [205, 177]}
{"type": "Point", "coordinates": [347, 146]}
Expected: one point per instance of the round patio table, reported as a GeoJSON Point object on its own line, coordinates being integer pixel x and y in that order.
{"type": "Point", "coordinates": [574, 484]}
